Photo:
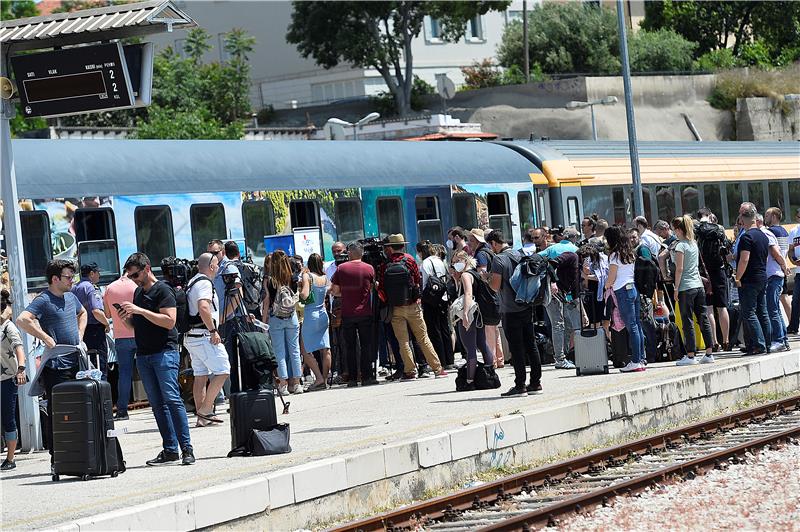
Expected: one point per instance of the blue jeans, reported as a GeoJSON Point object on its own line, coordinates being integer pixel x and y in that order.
{"type": "Point", "coordinates": [794, 319]}
{"type": "Point", "coordinates": [285, 335]}
{"type": "Point", "coordinates": [8, 402]}
{"type": "Point", "coordinates": [774, 289]}
{"type": "Point", "coordinates": [126, 350]}
{"type": "Point", "coordinates": [753, 311]}
{"type": "Point", "coordinates": [159, 373]}
{"type": "Point", "coordinates": [629, 307]}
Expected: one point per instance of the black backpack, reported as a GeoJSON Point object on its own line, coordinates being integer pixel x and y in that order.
{"type": "Point", "coordinates": [713, 244]}
{"type": "Point", "coordinates": [397, 283]}
{"type": "Point", "coordinates": [488, 301]}
{"type": "Point", "coordinates": [184, 321]}
{"type": "Point", "coordinates": [435, 290]}
{"type": "Point", "coordinates": [251, 286]}
{"type": "Point", "coordinates": [645, 274]}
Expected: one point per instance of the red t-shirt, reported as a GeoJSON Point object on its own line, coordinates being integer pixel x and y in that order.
{"type": "Point", "coordinates": [355, 280]}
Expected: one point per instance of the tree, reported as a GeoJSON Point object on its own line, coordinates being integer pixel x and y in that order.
{"type": "Point", "coordinates": [660, 51]}
{"type": "Point", "coordinates": [568, 37]}
{"type": "Point", "coordinates": [196, 44]}
{"type": "Point", "coordinates": [11, 9]}
{"type": "Point", "coordinates": [378, 35]}
{"type": "Point", "coordinates": [715, 25]}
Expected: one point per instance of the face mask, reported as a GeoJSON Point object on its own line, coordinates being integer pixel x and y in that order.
{"type": "Point", "coordinates": [459, 266]}
{"type": "Point", "coordinates": [449, 244]}
{"type": "Point", "coordinates": [418, 257]}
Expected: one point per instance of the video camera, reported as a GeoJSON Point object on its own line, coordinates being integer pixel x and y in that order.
{"type": "Point", "coordinates": [557, 230]}
{"type": "Point", "coordinates": [177, 272]}
{"type": "Point", "coordinates": [373, 251]}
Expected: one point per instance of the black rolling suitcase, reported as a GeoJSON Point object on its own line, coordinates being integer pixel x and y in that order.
{"type": "Point", "coordinates": [82, 418]}
{"type": "Point", "coordinates": [250, 410]}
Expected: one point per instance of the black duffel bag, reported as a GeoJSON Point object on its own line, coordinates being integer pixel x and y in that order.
{"type": "Point", "coordinates": [257, 360]}
{"type": "Point", "coordinates": [486, 378]}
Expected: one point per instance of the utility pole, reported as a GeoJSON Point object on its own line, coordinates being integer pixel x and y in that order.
{"type": "Point", "coordinates": [526, 52]}
{"type": "Point", "coordinates": [638, 202]}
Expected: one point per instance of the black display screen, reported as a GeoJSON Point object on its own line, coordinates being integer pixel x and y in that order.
{"type": "Point", "coordinates": [60, 87]}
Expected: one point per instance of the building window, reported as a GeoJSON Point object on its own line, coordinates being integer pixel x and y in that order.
{"type": "Point", "coordinates": [433, 30]}
{"type": "Point", "coordinates": [154, 236]}
{"type": "Point", "coordinates": [208, 223]}
{"type": "Point", "coordinates": [258, 221]}
{"type": "Point", "coordinates": [475, 29]}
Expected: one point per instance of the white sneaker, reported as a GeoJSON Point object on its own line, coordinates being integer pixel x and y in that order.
{"type": "Point", "coordinates": [777, 347]}
{"type": "Point", "coordinates": [686, 361]}
{"type": "Point", "coordinates": [284, 389]}
{"type": "Point", "coordinates": [297, 388]}
{"type": "Point", "coordinates": [707, 359]}
{"type": "Point", "coordinates": [632, 366]}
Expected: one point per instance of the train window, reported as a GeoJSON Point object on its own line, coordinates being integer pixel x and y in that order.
{"type": "Point", "coordinates": [595, 200]}
{"type": "Point", "coordinates": [154, 236]}
{"type": "Point", "coordinates": [794, 199]}
{"type": "Point", "coordinates": [525, 204]}
{"type": "Point", "coordinates": [755, 195]}
{"type": "Point", "coordinates": [665, 201]}
{"type": "Point", "coordinates": [646, 205]}
{"type": "Point", "coordinates": [95, 224]}
{"type": "Point", "coordinates": [258, 221]}
{"type": "Point", "coordinates": [35, 228]}
{"type": "Point", "coordinates": [430, 230]}
{"type": "Point", "coordinates": [390, 216]}
{"type": "Point", "coordinates": [104, 254]}
{"type": "Point", "coordinates": [776, 195]}
{"type": "Point", "coordinates": [427, 207]}
{"type": "Point", "coordinates": [208, 222]}
{"type": "Point", "coordinates": [713, 200]}
{"type": "Point", "coordinates": [304, 213]}
{"type": "Point", "coordinates": [734, 193]}
{"type": "Point", "coordinates": [499, 213]}
{"type": "Point", "coordinates": [541, 197]}
{"type": "Point", "coordinates": [465, 211]}
{"type": "Point", "coordinates": [618, 199]}
{"type": "Point", "coordinates": [573, 212]}
{"type": "Point", "coordinates": [690, 199]}
{"type": "Point", "coordinates": [349, 219]}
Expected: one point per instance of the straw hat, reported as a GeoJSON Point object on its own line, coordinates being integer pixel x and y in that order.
{"type": "Point", "coordinates": [478, 234]}
{"type": "Point", "coordinates": [392, 240]}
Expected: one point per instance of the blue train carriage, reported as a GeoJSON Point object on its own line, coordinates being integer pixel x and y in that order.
{"type": "Point", "coordinates": [585, 177]}
{"type": "Point", "coordinates": [178, 195]}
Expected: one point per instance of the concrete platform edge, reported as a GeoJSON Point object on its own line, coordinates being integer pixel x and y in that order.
{"type": "Point", "coordinates": [367, 477]}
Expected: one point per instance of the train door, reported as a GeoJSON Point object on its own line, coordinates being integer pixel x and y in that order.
{"type": "Point", "coordinates": [429, 219]}
{"type": "Point", "coordinates": [571, 201]}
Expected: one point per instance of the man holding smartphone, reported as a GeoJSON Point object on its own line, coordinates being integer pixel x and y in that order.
{"type": "Point", "coordinates": [118, 292]}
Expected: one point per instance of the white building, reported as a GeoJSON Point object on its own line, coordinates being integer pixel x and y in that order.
{"type": "Point", "coordinates": [282, 78]}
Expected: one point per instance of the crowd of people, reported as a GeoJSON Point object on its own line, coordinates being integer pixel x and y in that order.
{"type": "Point", "coordinates": [378, 311]}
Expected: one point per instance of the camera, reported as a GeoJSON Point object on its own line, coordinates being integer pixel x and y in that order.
{"type": "Point", "coordinates": [557, 230]}
{"type": "Point", "coordinates": [373, 251]}
{"type": "Point", "coordinates": [229, 279]}
{"type": "Point", "coordinates": [177, 272]}
{"type": "Point", "coordinates": [341, 258]}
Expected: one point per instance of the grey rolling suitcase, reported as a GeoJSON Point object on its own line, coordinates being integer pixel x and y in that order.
{"type": "Point", "coordinates": [591, 353]}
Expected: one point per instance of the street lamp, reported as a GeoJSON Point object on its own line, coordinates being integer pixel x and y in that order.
{"type": "Point", "coordinates": [608, 100]}
{"type": "Point", "coordinates": [366, 120]}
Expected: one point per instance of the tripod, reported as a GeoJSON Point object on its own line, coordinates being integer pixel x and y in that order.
{"type": "Point", "coordinates": [233, 301]}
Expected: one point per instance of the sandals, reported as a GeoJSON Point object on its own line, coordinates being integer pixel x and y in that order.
{"type": "Point", "coordinates": [210, 418]}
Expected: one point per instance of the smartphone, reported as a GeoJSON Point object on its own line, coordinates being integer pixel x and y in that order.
{"type": "Point", "coordinates": [117, 306]}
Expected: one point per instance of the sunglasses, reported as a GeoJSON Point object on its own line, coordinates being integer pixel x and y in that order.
{"type": "Point", "coordinates": [134, 275]}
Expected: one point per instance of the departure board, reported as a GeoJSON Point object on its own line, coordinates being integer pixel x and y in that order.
{"type": "Point", "coordinates": [73, 80]}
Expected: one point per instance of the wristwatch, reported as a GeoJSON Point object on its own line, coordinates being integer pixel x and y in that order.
{"type": "Point", "coordinates": [20, 369]}
{"type": "Point", "coordinates": [212, 331]}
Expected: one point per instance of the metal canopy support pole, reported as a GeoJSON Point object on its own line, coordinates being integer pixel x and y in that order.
{"type": "Point", "coordinates": [638, 202]}
{"type": "Point", "coordinates": [29, 430]}
{"type": "Point", "coordinates": [526, 52]}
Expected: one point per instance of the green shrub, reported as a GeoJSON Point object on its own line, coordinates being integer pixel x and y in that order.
{"type": "Point", "coordinates": [660, 51]}
{"type": "Point", "coordinates": [753, 83]}
{"type": "Point", "coordinates": [715, 60]}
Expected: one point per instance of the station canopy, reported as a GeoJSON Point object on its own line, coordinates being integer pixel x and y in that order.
{"type": "Point", "coordinates": [91, 25]}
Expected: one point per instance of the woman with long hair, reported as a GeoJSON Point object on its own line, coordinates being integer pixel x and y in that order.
{"type": "Point", "coordinates": [284, 329]}
{"type": "Point", "coordinates": [689, 292]}
{"type": "Point", "coordinates": [594, 274]}
{"type": "Point", "coordinates": [621, 259]}
{"type": "Point", "coordinates": [12, 375]}
{"type": "Point", "coordinates": [315, 324]}
{"type": "Point", "coordinates": [435, 315]}
{"type": "Point", "coordinates": [469, 325]}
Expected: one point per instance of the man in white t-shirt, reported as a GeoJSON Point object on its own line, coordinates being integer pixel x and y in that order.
{"type": "Point", "coordinates": [203, 341]}
{"type": "Point", "coordinates": [646, 236]}
{"type": "Point", "coordinates": [794, 257]}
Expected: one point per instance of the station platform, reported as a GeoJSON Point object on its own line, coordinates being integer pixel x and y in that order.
{"type": "Point", "coordinates": [349, 437]}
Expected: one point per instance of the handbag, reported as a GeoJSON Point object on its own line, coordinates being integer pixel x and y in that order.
{"type": "Point", "coordinates": [310, 299]}
{"type": "Point", "coordinates": [274, 440]}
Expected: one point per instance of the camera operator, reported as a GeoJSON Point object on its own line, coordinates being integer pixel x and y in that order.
{"type": "Point", "coordinates": [399, 286]}
{"type": "Point", "coordinates": [353, 281]}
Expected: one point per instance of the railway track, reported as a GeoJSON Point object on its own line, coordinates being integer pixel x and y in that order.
{"type": "Point", "coordinates": [541, 496]}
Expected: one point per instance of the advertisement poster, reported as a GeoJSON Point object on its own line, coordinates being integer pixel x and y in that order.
{"type": "Point", "coordinates": [307, 240]}
{"type": "Point", "coordinates": [282, 242]}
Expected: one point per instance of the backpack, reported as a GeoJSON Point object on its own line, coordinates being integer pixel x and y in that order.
{"type": "Point", "coordinates": [490, 254]}
{"type": "Point", "coordinates": [487, 299]}
{"type": "Point", "coordinates": [251, 285]}
{"type": "Point", "coordinates": [645, 272]}
{"type": "Point", "coordinates": [531, 279]}
{"type": "Point", "coordinates": [285, 302]}
{"type": "Point", "coordinates": [397, 283]}
{"type": "Point", "coordinates": [184, 321]}
{"type": "Point", "coordinates": [434, 291]}
{"type": "Point", "coordinates": [713, 244]}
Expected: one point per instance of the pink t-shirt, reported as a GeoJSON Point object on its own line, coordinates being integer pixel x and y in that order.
{"type": "Point", "coordinates": [120, 291]}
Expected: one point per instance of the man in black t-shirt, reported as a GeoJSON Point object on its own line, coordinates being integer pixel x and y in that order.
{"type": "Point", "coordinates": [751, 279]}
{"type": "Point", "coordinates": [152, 316]}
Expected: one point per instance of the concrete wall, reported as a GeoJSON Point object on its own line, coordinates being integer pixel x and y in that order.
{"type": "Point", "coordinates": [768, 119]}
